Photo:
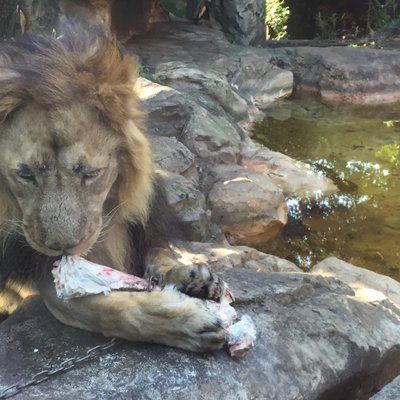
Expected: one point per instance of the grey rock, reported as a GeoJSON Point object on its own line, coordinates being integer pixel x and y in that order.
{"type": "Point", "coordinates": [242, 20]}
{"type": "Point", "coordinates": [192, 80]}
{"type": "Point", "coordinates": [249, 208]}
{"type": "Point", "coordinates": [262, 84]}
{"type": "Point", "coordinates": [167, 110]}
{"type": "Point", "coordinates": [42, 16]}
{"type": "Point", "coordinates": [315, 341]}
{"type": "Point", "coordinates": [10, 24]}
{"type": "Point", "coordinates": [293, 177]}
{"type": "Point", "coordinates": [212, 137]}
{"type": "Point", "coordinates": [218, 75]}
{"type": "Point", "coordinates": [187, 202]}
{"type": "Point", "coordinates": [342, 74]}
{"type": "Point", "coordinates": [171, 155]}
{"type": "Point", "coordinates": [389, 392]}
{"type": "Point", "coordinates": [221, 256]}
{"type": "Point", "coordinates": [365, 283]}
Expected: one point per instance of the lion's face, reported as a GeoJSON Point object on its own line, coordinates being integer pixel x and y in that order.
{"type": "Point", "coordinates": [60, 167]}
{"type": "Point", "coordinates": [73, 157]}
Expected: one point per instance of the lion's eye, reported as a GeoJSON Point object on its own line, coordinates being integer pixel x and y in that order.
{"type": "Point", "coordinates": [26, 173]}
{"type": "Point", "coordinates": [89, 175]}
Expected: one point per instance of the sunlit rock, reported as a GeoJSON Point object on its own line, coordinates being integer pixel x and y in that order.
{"type": "Point", "coordinates": [290, 175]}
{"type": "Point", "coordinates": [167, 110]}
{"type": "Point", "coordinates": [190, 78]}
{"type": "Point", "coordinates": [249, 207]}
{"type": "Point", "coordinates": [221, 256]}
{"type": "Point", "coordinates": [262, 86]}
{"type": "Point", "coordinates": [367, 285]}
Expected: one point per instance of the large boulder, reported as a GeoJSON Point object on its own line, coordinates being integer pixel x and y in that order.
{"type": "Point", "coordinates": [212, 137]}
{"type": "Point", "coordinates": [208, 134]}
{"type": "Point", "coordinates": [242, 20]}
{"type": "Point", "coordinates": [199, 61]}
{"type": "Point", "coordinates": [193, 80]}
{"type": "Point", "coordinates": [362, 281]}
{"type": "Point", "coordinates": [167, 110]}
{"type": "Point", "coordinates": [293, 177]}
{"type": "Point", "coordinates": [249, 208]}
{"type": "Point", "coordinates": [316, 340]}
{"type": "Point", "coordinates": [187, 202]}
{"type": "Point", "coordinates": [171, 155]}
{"type": "Point", "coordinates": [339, 74]}
{"type": "Point", "coordinates": [343, 74]}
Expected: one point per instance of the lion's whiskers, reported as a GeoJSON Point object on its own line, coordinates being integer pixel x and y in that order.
{"type": "Point", "coordinates": [106, 227]}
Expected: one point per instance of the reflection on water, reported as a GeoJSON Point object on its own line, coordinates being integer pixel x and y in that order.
{"type": "Point", "coordinates": [359, 148]}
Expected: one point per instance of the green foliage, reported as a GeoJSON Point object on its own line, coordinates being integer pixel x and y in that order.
{"type": "Point", "coordinates": [327, 25]}
{"type": "Point", "coordinates": [389, 153]}
{"type": "Point", "coordinates": [144, 72]}
{"type": "Point", "coordinates": [276, 19]}
{"type": "Point", "coordinates": [381, 13]}
{"type": "Point", "coordinates": [391, 123]}
{"type": "Point", "coordinates": [176, 7]}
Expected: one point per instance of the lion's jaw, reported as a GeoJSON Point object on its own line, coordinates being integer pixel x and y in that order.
{"type": "Point", "coordinates": [59, 167]}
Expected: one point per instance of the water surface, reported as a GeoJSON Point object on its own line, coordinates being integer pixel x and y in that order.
{"type": "Point", "coordinates": [359, 148]}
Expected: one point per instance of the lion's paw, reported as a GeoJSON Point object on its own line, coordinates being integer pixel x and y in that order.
{"type": "Point", "coordinates": [202, 330]}
{"type": "Point", "coordinates": [196, 281]}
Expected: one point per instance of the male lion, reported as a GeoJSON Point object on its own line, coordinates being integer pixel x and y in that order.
{"type": "Point", "coordinates": [76, 177]}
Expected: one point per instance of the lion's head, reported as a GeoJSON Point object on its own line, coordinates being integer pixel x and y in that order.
{"type": "Point", "coordinates": [71, 148]}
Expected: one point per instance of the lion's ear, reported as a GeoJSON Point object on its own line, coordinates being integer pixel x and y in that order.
{"type": "Point", "coordinates": [11, 92]}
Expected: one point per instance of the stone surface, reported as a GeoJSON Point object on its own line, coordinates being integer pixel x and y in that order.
{"type": "Point", "coordinates": [191, 79]}
{"type": "Point", "coordinates": [249, 208]}
{"type": "Point", "coordinates": [390, 392]}
{"type": "Point", "coordinates": [339, 74]}
{"type": "Point", "coordinates": [171, 155]}
{"type": "Point", "coordinates": [199, 61]}
{"type": "Point", "coordinates": [343, 74]}
{"type": "Point", "coordinates": [293, 177]}
{"type": "Point", "coordinates": [261, 85]}
{"type": "Point", "coordinates": [362, 281]}
{"type": "Point", "coordinates": [167, 110]}
{"type": "Point", "coordinates": [315, 341]}
{"type": "Point", "coordinates": [41, 16]}
{"type": "Point", "coordinates": [187, 202]}
{"type": "Point", "coordinates": [212, 137]}
{"type": "Point", "coordinates": [242, 20]}
{"type": "Point", "coordinates": [208, 134]}
{"type": "Point", "coordinates": [221, 256]}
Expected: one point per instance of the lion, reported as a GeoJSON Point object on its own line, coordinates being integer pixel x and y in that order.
{"type": "Point", "coordinates": [77, 178]}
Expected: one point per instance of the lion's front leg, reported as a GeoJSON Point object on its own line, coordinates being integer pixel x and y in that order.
{"type": "Point", "coordinates": [165, 317]}
{"type": "Point", "coordinates": [196, 280]}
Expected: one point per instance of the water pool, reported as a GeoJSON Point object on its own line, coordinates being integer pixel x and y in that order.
{"type": "Point", "coordinates": [359, 148]}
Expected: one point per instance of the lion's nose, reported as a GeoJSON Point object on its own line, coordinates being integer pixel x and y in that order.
{"type": "Point", "coordinates": [61, 246]}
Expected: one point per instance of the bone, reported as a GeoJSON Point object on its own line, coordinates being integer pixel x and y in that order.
{"type": "Point", "coordinates": [77, 277]}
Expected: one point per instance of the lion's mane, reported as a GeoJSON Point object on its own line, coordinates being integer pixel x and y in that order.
{"type": "Point", "coordinates": [53, 73]}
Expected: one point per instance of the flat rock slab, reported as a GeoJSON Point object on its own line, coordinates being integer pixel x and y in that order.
{"type": "Point", "coordinates": [390, 392]}
{"type": "Point", "coordinates": [315, 341]}
{"type": "Point", "coordinates": [262, 75]}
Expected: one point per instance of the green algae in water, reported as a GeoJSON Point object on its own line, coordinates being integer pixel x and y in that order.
{"type": "Point", "coordinates": [359, 148]}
